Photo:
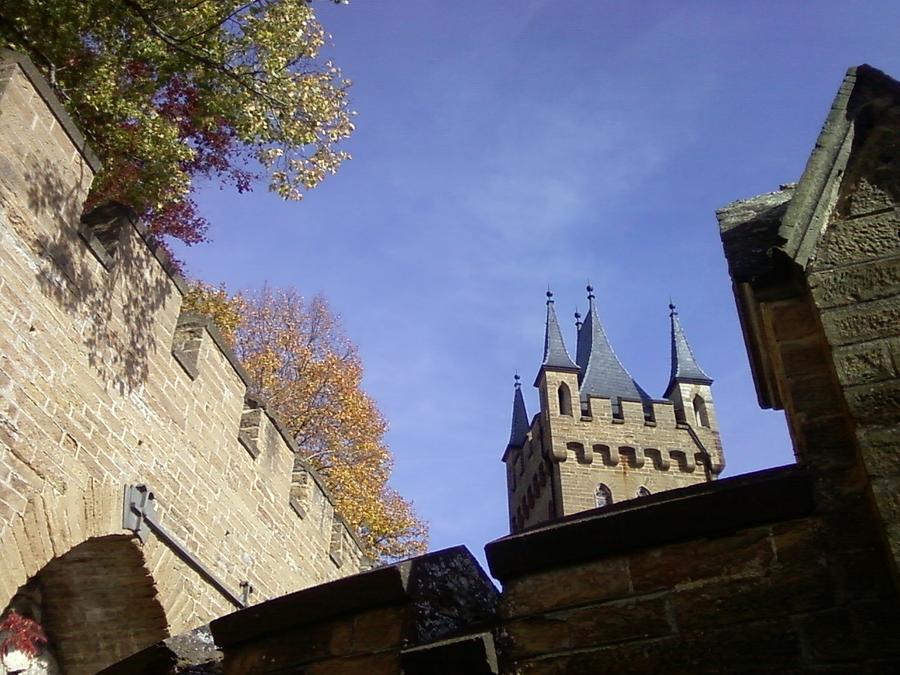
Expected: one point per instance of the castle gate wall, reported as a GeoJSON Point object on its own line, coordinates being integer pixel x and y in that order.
{"type": "Point", "coordinates": [103, 384]}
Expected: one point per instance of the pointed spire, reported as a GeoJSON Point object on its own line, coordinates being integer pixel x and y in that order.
{"type": "Point", "coordinates": [555, 353]}
{"type": "Point", "coordinates": [601, 372]}
{"type": "Point", "coordinates": [684, 366]}
{"type": "Point", "coordinates": [520, 425]}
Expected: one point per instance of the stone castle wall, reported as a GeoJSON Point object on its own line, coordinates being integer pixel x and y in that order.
{"type": "Point", "coordinates": [103, 384]}
{"type": "Point", "coordinates": [577, 453]}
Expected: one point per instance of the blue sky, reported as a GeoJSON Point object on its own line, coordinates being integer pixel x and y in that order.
{"type": "Point", "coordinates": [505, 146]}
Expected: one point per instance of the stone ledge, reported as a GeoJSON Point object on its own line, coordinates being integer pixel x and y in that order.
{"type": "Point", "coordinates": [697, 511]}
{"type": "Point", "coordinates": [447, 591]}
{"type": "Point", "coordinates": [470, 654]}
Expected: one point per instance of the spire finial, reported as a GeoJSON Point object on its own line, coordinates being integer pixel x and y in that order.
{"type": "Point", "coordinates": [518, 380]}
{"type": "Point", "coordinates": [577, 319]}
{"type": "Point", "coordinates": [590, 290]}
{"type": "Point", "coordinates": [672, 311]}
{"type": "Point", "coordinates": [549, 295]}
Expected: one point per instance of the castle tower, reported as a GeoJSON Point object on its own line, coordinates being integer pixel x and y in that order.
{"type": "Point", "coordinates": [599, 437]}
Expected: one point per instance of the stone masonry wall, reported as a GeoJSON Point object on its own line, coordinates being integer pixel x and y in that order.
{"type": "Point", "coordinates": [771, 598]}
{"type": "Point", "coordinates": [855, 285]}
{"type": "Point", "coordinates": [103, 383]}
{"type": "Point", "coordinates": [740, 575]}
{"type": "Point", "coordinates": [624, 454]}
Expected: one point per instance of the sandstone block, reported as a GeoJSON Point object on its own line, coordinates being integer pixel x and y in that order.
{"type": "Point", "coordinates": [860, 239]}
{"type": "Point", "coordinates": [744, 555]}
{"type": "Point", "coordinates": [860, 283]}
{"type": "Point", "coordinates": [593, 626]}
{"type": "Point", "coordinates": [867, 362]}
{"type": "Point", "coordinates": [564, 588]}
{"type": "Point", "coordinates": [877, 403]}
{"type": "Point", "coordinates": [860, 323]}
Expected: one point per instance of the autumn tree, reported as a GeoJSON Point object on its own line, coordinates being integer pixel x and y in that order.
{"type": "Point", "coordinates": [170, 91]}
{"type": "Point", "coordinates": [310, 374]}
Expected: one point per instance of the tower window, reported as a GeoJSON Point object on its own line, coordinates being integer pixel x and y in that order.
{"type": "Point", "coordinates": [565, 399]}
{"type": "Point", "coordinates": [603, 495]}
{"type": "Point", "coordinates": [643, 492]}
{"type": "Point", "coordinates": [701, 416]}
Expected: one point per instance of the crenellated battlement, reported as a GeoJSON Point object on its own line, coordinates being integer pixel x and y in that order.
{"type": "Point", "coordinates": [105, 382]}
{"type": "Point", "coordinates": [599, 437]}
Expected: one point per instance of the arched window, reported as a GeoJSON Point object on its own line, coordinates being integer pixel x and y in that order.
{"type": "Point", "coordinates": [643, 492]}
{"type": "Point", "coordinates": [700, 414]}
{"type": "Point", "coordinates": [565, 399]}
{"type": "Point", "coordinates": [603, 496]}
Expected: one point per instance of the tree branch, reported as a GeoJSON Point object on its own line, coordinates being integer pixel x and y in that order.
{"type": "Point", "coordinates": [174, 42]}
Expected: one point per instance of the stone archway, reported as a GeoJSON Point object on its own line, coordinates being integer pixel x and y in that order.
{"type": "Point", "coordinates": [98, 604]}
{"type": "Point", "coordinates": [82, 576]}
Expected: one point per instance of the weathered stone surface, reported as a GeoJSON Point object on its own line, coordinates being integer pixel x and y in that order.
{"type": "Point", "coordinates": [868, 362]}
{"type": "Point", "coordinates": [861, 240]}
{"type": "Point", "coordinates": [875, 320]}
{"type": "Point", "coordinates": [746, 554]}
{"type": "Point", "coordinates": [582, 584]}
{"type": "Point", "coordinates": [880, 449]}
{"type": "Point", "coordinates": [862, 197]}
{"type": "Point", "coordinates": [875, 403]}
{"type": "Point", "coordinates": [827, 442]}
{"type": "Point", "coordinates": [770, 647]}
{"type": "Point", "coordinates": [785, 591]}
{"type": "Point", "coordinates": [874, 280]}
{"type": "Point", "coordinates": [607, 623]}
{"type": "Point", "coordinates": [791, 320]}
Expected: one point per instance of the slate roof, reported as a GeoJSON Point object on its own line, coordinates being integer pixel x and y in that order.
{"type": "Point", "coordinates": [684, 365]}
{"type": "Point", "coordinates": [749, 230]}
{"type": "Point", "coordinates": [600, 371]}
{"type": "Point", "coordinates": [555, 353]}
{"type": "Point", "coordinates": [520, 425]}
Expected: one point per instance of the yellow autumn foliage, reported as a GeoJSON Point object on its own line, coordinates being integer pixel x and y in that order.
{"type": "Point", "coordinates": [310, 374]}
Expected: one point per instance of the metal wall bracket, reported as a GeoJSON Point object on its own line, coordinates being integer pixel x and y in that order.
{"type": "Point", "coordinates": [139, 515]}
{"type": "Point", "coordinates": [139, 502]}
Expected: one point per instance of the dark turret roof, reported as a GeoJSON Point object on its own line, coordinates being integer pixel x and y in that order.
{"type": "Point", "coordinates": [520, 424]}
{"type": "Point", "coordinates": [555, 353]}
{"type": "Point", "coordinates": [684, 366]}
{"type": "Point", "coordinates": [600, 371]}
